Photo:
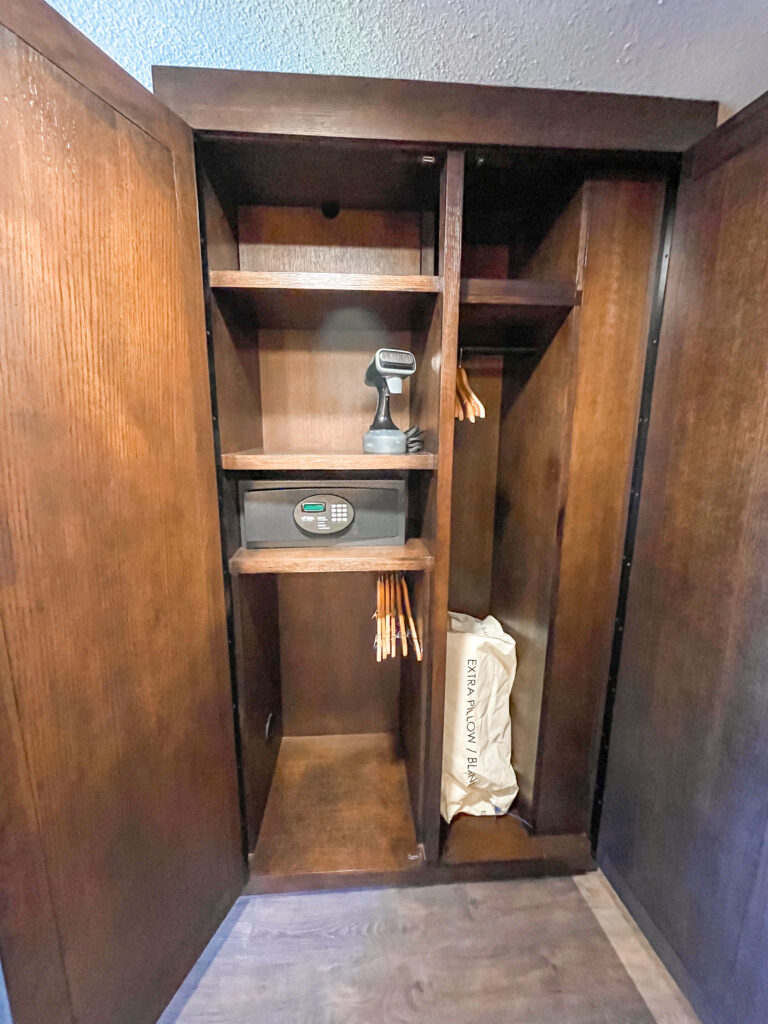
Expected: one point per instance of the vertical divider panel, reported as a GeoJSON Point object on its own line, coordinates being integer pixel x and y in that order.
{"type": "Point", "coordinates": [624, 219]}
{"type": "Point", "coordinates": [437, 517]}
{"type": "Point", "coordinates": [533, 480]}
{"type": "Point", "coordinates": [259, 707]}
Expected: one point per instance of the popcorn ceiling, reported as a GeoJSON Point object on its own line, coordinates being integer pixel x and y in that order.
{"type": "Point", "coordinates": [705, 49]}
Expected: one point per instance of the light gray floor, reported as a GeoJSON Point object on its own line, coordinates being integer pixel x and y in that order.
{"type": "Point", "coordinates": [5, 1010]}
{"type": "Point", "coordinates": [543, 951]}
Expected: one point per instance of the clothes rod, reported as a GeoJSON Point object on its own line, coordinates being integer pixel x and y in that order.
{"type": "Point", "coordinates": [500, 350]}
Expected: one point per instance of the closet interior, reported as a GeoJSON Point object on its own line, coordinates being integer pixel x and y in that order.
{"type": "Point", "coordinates": [317, 257]}
{"type": "Point", "coordinates": [319, 253]}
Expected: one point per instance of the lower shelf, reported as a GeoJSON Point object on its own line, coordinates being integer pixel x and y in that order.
{"type": "Point", "coordinates": [482, 840]}
{"type": "Point", "coordinates": [413, 555]}
{"type": "Point", "coordinates": [337, 803]}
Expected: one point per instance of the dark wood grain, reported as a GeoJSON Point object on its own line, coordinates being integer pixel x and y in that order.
{"type": "Point", "coordinates": [417, 677]}
{"type": "Point", "coordinates": [473, 498]}
{"type": "Point", "coordinates": [313, 396]}
{"type": "Point", "coordinates": [532, 484]}
{"type": "Point", "coordinates": [437, 515]}
{"type": "Point", "coordinates": [293, 364]}
{"type": "Point", "coordinates": [685, 817]}
{"type": "Point", "coordinates": [622, 242]}
{"type": "Point", "coordinates": [370, 108]}
{"type": "Point", "coordinates": [508, 475]}
{"type": "Point", "coordinates": [415, 682]}
{"type": "Point", "coordinates": [481, 840]}
{"type": "Point", "coordinates": [346, 281]}
{"type": "Point", "coordinates": [220, 217]}
{"type": "Point", "coordinates": [256, 459]}
{"type": "Point", "coordinates": [746, 129]}
{"type": "Point", "coordinates": [313, 299]}
{"type": "Point", "coordinates": [570, 855]}
{"type": "Point", "coordinates": [519, 292]}
{"type": "Point", "coordinates": [302, 238]}
{"type": "Point", "coordinates": [30, 945]}
{"type": "Point", "coordinates": [337, 803]}
{"type": "Point", "coordinates": [111, 596]}
{"type": "Point", "coordinates": [279, 170]}
{"type": "Point", "coordinates": [414, 554]}
{"type": "Point", "coordinates": [259, 696]}
{"type": "Point", "coordinates": [291, 348]}
{"type": "Point", "coordinates": [560, 249]}
{"type": "Point", "coordinates": [331, 681]}
{"type": "Point", "coordinates": [237, 373]}
{"type": "Point", "coordinates": [328, 303]}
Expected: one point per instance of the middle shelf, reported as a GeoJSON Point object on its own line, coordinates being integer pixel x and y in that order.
{"type": "Point", "coordinates": [413, 555]}
{"type": "Point", "coordinates": [257, 459]}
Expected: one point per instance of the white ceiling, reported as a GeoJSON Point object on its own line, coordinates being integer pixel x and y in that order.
{"type": "Point", "coordinates": [706, 49]}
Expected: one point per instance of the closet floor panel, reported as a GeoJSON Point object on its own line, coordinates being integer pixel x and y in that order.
{"type": "Point", "coordinates": [337, 803]}
{"type": "Point", "coordinates": [473, 840]}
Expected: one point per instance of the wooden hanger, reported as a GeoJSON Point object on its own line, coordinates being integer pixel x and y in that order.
{"type": "Point", "coordinates": [393, 614]}
{"type": "Point", "coordinates": [466, 402]}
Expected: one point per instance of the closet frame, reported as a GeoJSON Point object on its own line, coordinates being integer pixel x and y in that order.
{"type": "Point", "coordinates": [560, 728]}
{"type": "Point", "coordinates": [125, 833]}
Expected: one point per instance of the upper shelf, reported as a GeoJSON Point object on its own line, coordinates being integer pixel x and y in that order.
{"type": "Point", "coordinates": [518, 292]}
{"type": "Point", "coordinates": [287, 280]}
{"type": "Point", "coordinates": [488, 302]}
{"type": "Point", "coordinates": [286, 299]}
{"type": "Point", "coordinates": [256, 459]}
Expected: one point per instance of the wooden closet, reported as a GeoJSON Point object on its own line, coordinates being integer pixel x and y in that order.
{"type": "Point", "coordinates": [187, 719]}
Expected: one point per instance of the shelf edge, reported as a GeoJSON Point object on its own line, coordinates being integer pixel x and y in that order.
{"type": "Point", "coordinates": [257, 280]}
{"type": "Point", "coordinates": [412, 556]}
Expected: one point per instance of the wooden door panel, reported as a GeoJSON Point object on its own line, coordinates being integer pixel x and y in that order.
{"type": "Point", "coordinates": [110, 584]}
{"type": "Point", "coordinates": [686, 805]}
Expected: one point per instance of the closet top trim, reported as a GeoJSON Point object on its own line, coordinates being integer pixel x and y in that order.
{"type": "Point", "coordinates": [430, 112]}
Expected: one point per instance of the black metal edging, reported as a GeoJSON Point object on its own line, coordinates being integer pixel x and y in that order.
{"type": "Point", "coordinates": [651, 355]}
{"type": "Point", "coordinates": [221, 491]}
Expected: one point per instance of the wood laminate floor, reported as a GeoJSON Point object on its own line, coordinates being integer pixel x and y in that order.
{"type": "Point", "coordinates": [539, 951]}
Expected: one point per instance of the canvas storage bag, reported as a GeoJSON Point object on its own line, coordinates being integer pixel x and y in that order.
{"type": "Point", "coordinates": [478, 777]}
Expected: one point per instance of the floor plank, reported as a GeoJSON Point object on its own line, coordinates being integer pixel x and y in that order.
{"type": "Point", "coordinates": [662, 996]}
{"type": "Point", "coordinates": [523, 952]}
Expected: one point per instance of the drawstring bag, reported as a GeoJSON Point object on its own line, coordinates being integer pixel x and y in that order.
{"type": "Point", "coordinates": [478, 777]}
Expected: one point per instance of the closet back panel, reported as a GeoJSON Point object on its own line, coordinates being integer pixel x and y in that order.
{"type": "Point", "coordinates": [331, 681]}
{"type": "Point", "coordinates": [475, 467]}
{"type": "Point", "coordinates": [312, 393]}
{"type": "Point", "coordinates": [277, 238]}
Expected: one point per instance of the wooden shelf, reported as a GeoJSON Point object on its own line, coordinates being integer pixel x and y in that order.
{"type": "Point", "coordinates": [414, 554]}
{"type": "Point", "coordinates": [488, 302]}
{"type": "Point", "coordinates": [259, 280]}
{"type": "Point", "coordinates": [287, 300]}
{"type": "Point", "coordinates": [255, 459]}
{"type": "Point", "coordinates": [518, 292]}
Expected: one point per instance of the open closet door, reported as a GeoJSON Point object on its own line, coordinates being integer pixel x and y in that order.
{"type": "Point", "coordinates": [120, 842]}
{"type": "Point", "coordinates": [684, 834]}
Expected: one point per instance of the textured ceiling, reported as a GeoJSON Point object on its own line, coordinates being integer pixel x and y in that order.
{"type": "Point", "coordinates": [705, 49]}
